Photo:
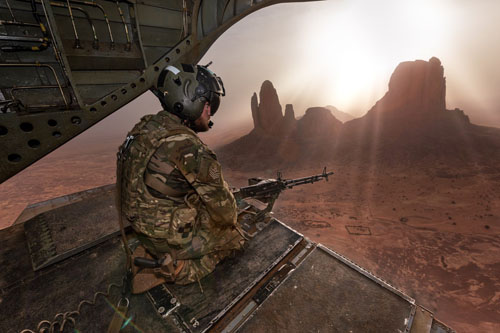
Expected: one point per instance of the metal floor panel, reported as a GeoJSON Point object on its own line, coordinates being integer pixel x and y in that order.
{"type": "Point", "coordinates": [324, 294]}
{"type": "Point", "coordinates": [61, 232]}
{"type": "Point", "coordinates": [60, 288]}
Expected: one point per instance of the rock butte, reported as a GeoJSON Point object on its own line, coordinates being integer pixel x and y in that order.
{"type": "Point", "coordinates": [409, 124]}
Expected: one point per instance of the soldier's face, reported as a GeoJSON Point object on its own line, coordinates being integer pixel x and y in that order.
{"type": "Point", "coordinates": [201, 124]}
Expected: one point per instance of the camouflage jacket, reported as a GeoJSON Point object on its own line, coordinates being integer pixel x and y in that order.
{"type": "Point", "coordinates": [170, 180]}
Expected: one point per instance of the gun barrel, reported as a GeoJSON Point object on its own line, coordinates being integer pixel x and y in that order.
{"type": "Point", "coordinates": [307, 180]}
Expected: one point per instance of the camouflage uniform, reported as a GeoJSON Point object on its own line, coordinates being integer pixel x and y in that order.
{"type": "Point", "coordinates": [175, 196]}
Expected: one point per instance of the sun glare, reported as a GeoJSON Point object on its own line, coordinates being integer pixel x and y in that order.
{"type": "Point", "coordinates": [357, 45]}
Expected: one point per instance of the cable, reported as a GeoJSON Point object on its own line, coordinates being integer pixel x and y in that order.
{"type": "Point", "coordinates": [61, 319]}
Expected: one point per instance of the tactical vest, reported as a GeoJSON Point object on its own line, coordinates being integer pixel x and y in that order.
{"type": "Point", "coordinates": [152, 216]}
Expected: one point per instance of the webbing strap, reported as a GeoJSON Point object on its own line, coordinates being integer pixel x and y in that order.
{"type": "Point", "coordinates": [119, 179]}
{"type": "Point", "coordinates": [121, 312]}
{"type": "Point", "coordinates": [119, 317]}
{"type": "Point", "coordinates": [161, 187]}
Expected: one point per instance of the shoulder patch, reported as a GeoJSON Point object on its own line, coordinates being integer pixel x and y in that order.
{"type": "Point", "coordinates": [213, 171]}
{"type": "Point", "coordinates": [210, 172]}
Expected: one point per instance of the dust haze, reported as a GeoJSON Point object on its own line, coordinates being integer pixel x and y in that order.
{"type": "Point", "coordinates": [415, 196]}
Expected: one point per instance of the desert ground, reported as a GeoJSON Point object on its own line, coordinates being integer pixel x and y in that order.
{"type": "Point", "coordinates": [433, 233]}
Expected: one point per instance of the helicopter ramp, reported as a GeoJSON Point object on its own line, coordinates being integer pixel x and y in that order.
{"type": "Point", "coordinates": [282, 283]}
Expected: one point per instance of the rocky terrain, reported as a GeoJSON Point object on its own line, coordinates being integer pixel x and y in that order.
{"type": "Point", "coordinates": [415, 197]}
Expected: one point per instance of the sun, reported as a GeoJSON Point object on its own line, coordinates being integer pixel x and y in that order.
{"type": "Point", "coordinates": [354, 47]}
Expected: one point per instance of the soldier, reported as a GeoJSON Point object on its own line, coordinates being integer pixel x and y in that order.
{"type": "Point", "coordinates": [172, 189]}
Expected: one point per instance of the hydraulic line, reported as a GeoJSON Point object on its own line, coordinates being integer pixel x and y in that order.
{"type": "Point", "coordinates": [224, 11]}
{"type": "Point", "coordinates": [21, 39]}
{"type": "Point", "coordinates": [4, 22]}
{"type": "Point", "coordinates": [77, 40]}
{"type": "Point", "coordinates": [57, 53]}
{"type": "Point", "coordinates": [129, 44]}
{"type": "Point", "coordinates": [107, 23]}
{"type": "Point", "coordinates": [200, 14]}
{"type": "Point", "coordinates": [98, 6]}
{"type": "Point", "coordinates": [184, 19]}
{"type": "Point", "coordinates": [95, 43]}
{"type": "Point", "coordinates": [34, 87]}
{"type": "Point", "coordinates": [42, 65]}
{"type": "Point", "coordinates": [10, 10]}
{"type": "Point", "coordinates": [45, 39]}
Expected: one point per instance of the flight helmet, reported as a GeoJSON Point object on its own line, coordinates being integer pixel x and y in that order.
{"type": "Point", "coordinates": [183, 90]}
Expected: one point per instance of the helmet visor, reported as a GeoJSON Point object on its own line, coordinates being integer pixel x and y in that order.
{"type": "Point", "coordinates": [213, 87]}
{"type": "Point", "coordinates": [214, 103]}
{"type": "Point", "coordinates": [211, 81]}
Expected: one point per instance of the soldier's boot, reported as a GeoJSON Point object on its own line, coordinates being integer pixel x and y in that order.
{"type": "Point", "coordinates": [196, 269]}
{"type": "Point", "coordinates": [147, 278]}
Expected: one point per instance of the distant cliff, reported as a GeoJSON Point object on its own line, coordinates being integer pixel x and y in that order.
{"type": "Point", "coordinates": [269, 120]}
{"type": "Point", "coordinates": [417, 91]}
{"type": "Point", "coordinates": [340, 115]}
{"type": "Point", "coordinates": [409, 124]}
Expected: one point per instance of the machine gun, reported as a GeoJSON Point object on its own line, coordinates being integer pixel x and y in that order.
{"type": "Point", "coordinates": [268, 190]}
{"type": "Point", "coordinates": [253, 219]}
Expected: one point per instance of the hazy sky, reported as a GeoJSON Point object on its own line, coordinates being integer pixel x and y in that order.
{"type": "Point", "coordinates": [343, 53]}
